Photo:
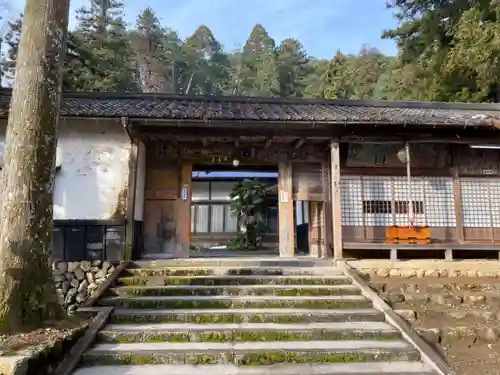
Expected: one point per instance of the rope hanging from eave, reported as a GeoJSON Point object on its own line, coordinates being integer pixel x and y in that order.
{"type": "Point", "coordinates": [411, 218]}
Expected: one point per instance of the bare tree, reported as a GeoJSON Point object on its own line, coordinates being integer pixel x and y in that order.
{"type": "Point", "coordinates": [27, 291]}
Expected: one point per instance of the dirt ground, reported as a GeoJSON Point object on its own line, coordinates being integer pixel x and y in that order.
{"type": "Point", "coordinates": [460, 317]}
{"type": "Point", "coordinates": [52, 333]}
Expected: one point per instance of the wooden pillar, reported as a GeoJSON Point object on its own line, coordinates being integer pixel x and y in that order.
{"type": "Point", "coordinates": [327, 210]}
{"type": "Point", "coordinates": [131, 188]}
{"type": "Point", "coordinates": [183, 221]}
{"type": "Point", "coordinates": [316, 230]}
{"type": "Point", "coordinates": [457, 197]}
{"type": "Point", "coordinates": [335, 190]}
{"type": "Point", "coordinates": [286, 223]}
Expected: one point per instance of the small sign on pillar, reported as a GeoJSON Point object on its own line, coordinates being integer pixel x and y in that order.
{"type": "Point", "coordinates": [184, 193]}
{"type": "Point", "coordinates": [283, 196]}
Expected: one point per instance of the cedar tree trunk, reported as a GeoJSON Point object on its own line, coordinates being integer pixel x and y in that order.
{"type": "Point", "coordinates": [27, 290]}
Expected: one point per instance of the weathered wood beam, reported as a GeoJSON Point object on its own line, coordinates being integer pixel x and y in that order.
{"type": "Point", "coordinates": [159, 131]}
{"type": "Point", "coordinates": [475, 136]}
{"type": "Point", "coordinates": [299, 143]}
{"type": "Point", "coordinates": [335, 190]}
{"type": "Point", "coordinates": [131, 190]}
{"type": "Point", "coordinates": [457, 195]}
{"type": "Point", "coordinates": [183, 208]}
{"type": "Point", "coordinates": [286, 222]}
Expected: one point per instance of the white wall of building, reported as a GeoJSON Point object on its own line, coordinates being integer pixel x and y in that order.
{"type": "Point", "coordinates": [93, 156]}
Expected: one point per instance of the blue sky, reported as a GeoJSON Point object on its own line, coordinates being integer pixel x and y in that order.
{"type": "Point", "coordinates": [323, 26]}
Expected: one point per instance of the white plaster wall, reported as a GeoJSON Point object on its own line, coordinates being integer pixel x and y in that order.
{"type": "Point", "coordinates": [93, 156]}
{"type": "Point", "coordinates": [140, 183]}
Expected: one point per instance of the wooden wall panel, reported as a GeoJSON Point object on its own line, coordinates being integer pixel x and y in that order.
{"type": "Point", "coordinates": [476, 162]}
{"type": "Point", "coordinates": [162, 183]}
{"type": "Point", "coordinates": [166, 215]}
{"type": "Point", "coordinates": [160, 227]}
{"type": "Point", "coordinates": [424, 155]}
{"type": "Point", "coordinates": [308, 181]}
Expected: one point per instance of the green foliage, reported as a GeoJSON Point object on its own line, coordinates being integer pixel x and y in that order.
{"type": "Point", "coordinates": [447, 51]}
{"type": "Point", "coordinates": [248, 205]}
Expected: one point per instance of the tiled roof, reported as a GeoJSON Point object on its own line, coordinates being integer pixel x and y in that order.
{"type": "Point", "coordinates": [158, 106]}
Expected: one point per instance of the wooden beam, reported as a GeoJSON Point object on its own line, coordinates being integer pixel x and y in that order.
{"type": "Point", "coordinates": [470, 136]}
{"type": "Point", "coordinates": [231, 132]}
{"type": "Point", "coordinates": [183, 208]}
{"type": "Point", "coordinates": [315, 231]}
{"type": "Point", "coordinates": [457, 197]}
{"type": "Point", "coordinates": [327, 209]}
{"type": "Point", "coordinates": [131, 188]}
{"type": "Point", "coordinates": [335, 190]}
{"type": "Point", "coordinates": [299, 143]}
{"type": "Point", "coordinates": [286, 221]}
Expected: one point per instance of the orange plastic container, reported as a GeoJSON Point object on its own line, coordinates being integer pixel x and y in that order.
{"type": "Point", "coordinates": [408, 235]}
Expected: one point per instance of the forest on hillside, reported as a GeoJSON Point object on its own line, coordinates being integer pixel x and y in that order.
{"type": "Point", "coordinates": [447, 51]}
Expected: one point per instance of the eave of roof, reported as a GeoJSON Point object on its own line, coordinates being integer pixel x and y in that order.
{"type": "Point", "coordinates": [156, 106]}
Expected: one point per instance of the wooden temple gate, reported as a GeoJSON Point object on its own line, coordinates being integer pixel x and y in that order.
{"type": "Point", "coordinates": [303, 175]}
{"type": "Point", "coordinates": [361, 193]}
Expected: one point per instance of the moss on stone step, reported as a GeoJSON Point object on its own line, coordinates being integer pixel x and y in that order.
{"type": "Point", "coordinates": [200, 318]}
{"type": "Point", "coordinates": [220, 280]}
{"type": "Point", "coordinates": [234, 291]}
{"type": "Point", "coordinates": [240, 336]}
{"type": "Point", "coordinates": [185, 271]}
{"type": "Point", "coordinates": [246, 358]}
{"type": "Point", "coordinates": [228, 304]}
{"type": "Point", "coordinates": [205, 271]}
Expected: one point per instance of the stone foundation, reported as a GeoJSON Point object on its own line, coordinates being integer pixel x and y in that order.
{"type": "Point", "coordinates": [427, 272]}
{"type": "Point", "coordinates": [77, 281]}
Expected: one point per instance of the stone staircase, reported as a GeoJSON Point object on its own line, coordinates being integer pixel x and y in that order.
{"type": "Point", "coordinates": [245, 317]}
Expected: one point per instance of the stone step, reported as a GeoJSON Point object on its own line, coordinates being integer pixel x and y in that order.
{"type": "Point", "coordinates": [373, 368]}
{"type": "Point", "coordinates": [224, 302]}
{"type": "Point", "coordinates": [235, 280]}
{"type": "Point", "coordinates": [209, 271]}
{"type": "Point", "coordinates": [233, 262]}
{"type": "Point", "coordinates": [236, 290]}
{"type": "Point", "coordinates": [185, 332]}
{"type": "Point", "coordinates": [250, 353]}
{"type": "Point", "coordinates": [238, 315]}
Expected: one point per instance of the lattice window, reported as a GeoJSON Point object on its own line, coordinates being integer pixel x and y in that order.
{"type": "Point", "coordinates": [495, 202]}
{"type": "Point", "coordinates": [439, 202]}
{"type": "Point", "coordinates": [400, 194]}
{"type": "Point", "coordinates": [377, 188]}
{"type": "Point", "coordinates": [389, 207]}
{"type": "Point", "coordinates": [351, 201]}
{"type": "Point", "coordinates": [480, 200]}
{"type": "Point", "coordinates": [383, 201]}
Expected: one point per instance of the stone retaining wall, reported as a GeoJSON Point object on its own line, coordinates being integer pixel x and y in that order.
{"type": "Point", "coordinates": [77, 281]}
{"type": "Point", "coordinates": [433, 272]}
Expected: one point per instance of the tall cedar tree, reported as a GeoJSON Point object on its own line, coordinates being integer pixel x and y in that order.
{"type": "Point", "coordinates": [205, 70]}
{"type": "Point", "coordinates": [27, 292]}
{"type": "Point", "coordinates": [259, 56]}
{"type": "Point", "coordinates": [155, 66]}
{"type": "Point", "coordinates": [103, 31]}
